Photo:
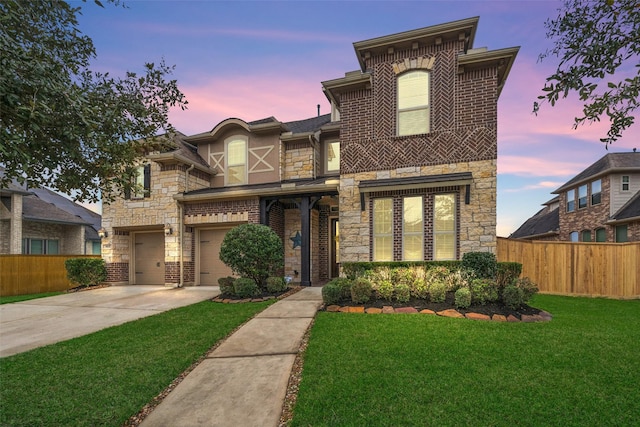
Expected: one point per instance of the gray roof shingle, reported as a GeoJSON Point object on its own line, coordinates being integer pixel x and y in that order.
{"type": "Point", "coordinates": [543, 222]}
{"type": "Point", "coordinates": [609, 163]}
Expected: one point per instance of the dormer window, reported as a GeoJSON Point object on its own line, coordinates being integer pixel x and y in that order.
{"type": "Point", "coordinates": [413, 103]}
{"type": "Point", "coordinates": [236, 148]}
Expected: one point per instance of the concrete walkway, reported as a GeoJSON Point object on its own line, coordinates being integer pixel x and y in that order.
{"type": "Point", "coordinates": [36, 323]}
{"type": "Point", "coordinates": [243, 382]}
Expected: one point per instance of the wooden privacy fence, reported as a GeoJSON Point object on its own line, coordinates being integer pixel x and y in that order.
{"type": "Point", "coordinates": [32, 274]}
{"type": "Point", "coordinates": [569, 268]}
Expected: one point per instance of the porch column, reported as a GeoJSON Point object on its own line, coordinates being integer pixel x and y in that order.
{"type": "Point", "coordinates": [15, 224]}
{"type": "Point", "coordinates": [264, 215]}
{"type": "Point", "coordinates": [305, 247]}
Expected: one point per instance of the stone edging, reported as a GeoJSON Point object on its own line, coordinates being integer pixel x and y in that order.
{"type": "Point", "coordinates": [543, 316]}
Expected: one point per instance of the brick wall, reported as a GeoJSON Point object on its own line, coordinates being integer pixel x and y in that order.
{"type": "Point", "coordinates": [589, 218]}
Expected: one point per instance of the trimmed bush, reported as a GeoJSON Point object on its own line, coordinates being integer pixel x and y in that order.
{"type": "Point", "coordinates": [86, 271]}
{"type": "Point", "coordinates": [357, 269]}
{"type": "Point", "coordinates": [438, 291]}
{"type": "Point", "coordinates": [384, 289]}
{"type": "Point", "coordinates": [483, 264]}
{"type": "Point", "coordinates": [226, 285]}
{"type": "Point", "coordinates": [337, 290]}
{"type": "Point", "coordinates": [420, 289]}
{"type": "Point", "coordinates": [484, 291]}
{"type": "Point", "coordinates": [402, 292]}
{"type": "Point", "coordinates": [463, 298]}
{"type": "Point", "coordinates": [529, 288]}
{"type": "Point", "coordinates": [276, 284]}
{"type": "Point", "coordinates": [508, 272]}
{"type": "Point", "coordinates": [244, 287]}
{"type": "Point", "coordinates": [361, 290]}
{"type": "Point", "coordinates": [254, 251]}
{"type": "Point", "coordinates": [512, 296]}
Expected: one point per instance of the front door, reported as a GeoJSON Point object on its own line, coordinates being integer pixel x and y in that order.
{"type": "Point", "coordinates": [335, 248]}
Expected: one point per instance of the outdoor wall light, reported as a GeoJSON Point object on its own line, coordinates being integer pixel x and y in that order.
{"type": "Point", "coordinates": [167, 230]}
{"type": "Point", "coordinates": [102, 233]}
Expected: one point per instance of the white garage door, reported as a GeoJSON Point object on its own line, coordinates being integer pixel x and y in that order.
{"type": "Point", "coordinates": [211, 268]}
{"type": "Point", "coordinates": [149, 259]}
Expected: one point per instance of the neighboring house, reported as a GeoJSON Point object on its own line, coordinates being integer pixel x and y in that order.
{"type": "Point", "coordinates": [403, 168]}
{"type": "Point", "coordinates": [600, 204]}
{"type": "Point", "coordinates": [40, 221]}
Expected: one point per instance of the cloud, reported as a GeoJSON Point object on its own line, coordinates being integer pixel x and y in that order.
{"type": "Point", "coordinates": [542, 184]}
{"type": "Point", "coordinates": [529, 166]}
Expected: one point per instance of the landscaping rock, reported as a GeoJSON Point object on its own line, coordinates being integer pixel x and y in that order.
{"type": "Point", "coordinates": [333, 308]}
{"type": "Point", "coordinates": [387, 309]}
{"type": "Point", "coordinates": [356, 309]}
{"type": "Point", "coordinates": [373, 310]}
{"type": "Point", "coordinates": [427, 311]}
{"type": "Point", "coordinates": [451, 313]}
{"type": "Point", "coordinates": [344, 309]}
{"type": "Point", "coordinates": [410, 310]}
{"type": "Point", "coordinates": [499, 318]}
{"type": "Point", "coordinates": [477, 316]}
{"type": "Point", "coordinates": [531, 318]}
{"type": "Point", "coordinates": [512, 318]}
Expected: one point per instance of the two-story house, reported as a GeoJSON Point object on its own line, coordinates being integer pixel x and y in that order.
{"type": "Point", "coordinates": [403, 168]}
{"type": "Point", "coordinates": [600, 204]}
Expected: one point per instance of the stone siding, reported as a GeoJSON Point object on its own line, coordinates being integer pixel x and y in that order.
{"type": "Point", "coordinates": [299, 160]}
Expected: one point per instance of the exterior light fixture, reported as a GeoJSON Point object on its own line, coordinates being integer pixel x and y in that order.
{"type": "Point", "coordinates": [167, 230]}
{"type": "Point", "coordinates": [102, 233]}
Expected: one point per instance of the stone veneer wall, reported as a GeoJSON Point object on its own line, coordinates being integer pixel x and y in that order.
{"type": "Point", "coordinates": [299, 160]}
{"type": "Point", "coordinates": [476, 222]}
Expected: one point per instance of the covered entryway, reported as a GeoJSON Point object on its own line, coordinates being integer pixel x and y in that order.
{"type": "Point", "coordinates": [210, 266]}
{"type": "Point", "coordinates": [149, 259]}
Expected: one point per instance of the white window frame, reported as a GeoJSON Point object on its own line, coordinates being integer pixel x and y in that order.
{"type": "Point", "coordinates": [229, 165]}
{"type": "Point", "coordinates": [440, 233]}
{"type": "Point", "coordinates": [571, 200]}
{"type": "Point", "coordinates": [378, 236]}
{"type": "Point", "coordinates": [401, 83]}
{"type": "Point", "coordinates": [415, 233]}
{"type": "Point", "coordinates": [625, 182]}
{"type": "Point", "coordinates": [583, 194]}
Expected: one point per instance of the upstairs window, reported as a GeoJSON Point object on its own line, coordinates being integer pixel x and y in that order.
{"type": "Point", "coordinates": [413, 103]}
{"type": "Point", "coordinates": [596, 192]}
{"type": "Point", "coordinates": [140, 183]}
{"type": "Point", "coordinates": [332, 156]}
{"type": "Point", "coordinates": [571, 200]}
{"type": "Point", "coordinates": [236, 161]}
{"type": "Point", "coordinates": [582, 196]}
{"type": "Point", "coordinates": [625, 183]}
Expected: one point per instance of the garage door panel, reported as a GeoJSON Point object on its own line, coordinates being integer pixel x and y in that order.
{"type": "Point", "coordinates": [211, 268]}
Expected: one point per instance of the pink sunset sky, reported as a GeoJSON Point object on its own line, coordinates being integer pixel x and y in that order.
{"type": "Point", "coordinates": [258, 59]}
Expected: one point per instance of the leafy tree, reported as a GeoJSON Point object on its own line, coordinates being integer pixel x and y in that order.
{"type": "Point", "coordinates": [593, 40]}
{"type": "Point", "coordinates": [63, 125]}
{"type": "Point", "coordinates": [254, 251]}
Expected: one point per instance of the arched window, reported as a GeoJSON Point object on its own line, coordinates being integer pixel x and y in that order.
{"type": "Point", "coordinates": [413, 103]}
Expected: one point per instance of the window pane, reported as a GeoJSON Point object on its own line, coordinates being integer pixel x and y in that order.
{"type": "Point", "coordinates": [621, 233]}
{"type": "Point", "coordinates": [236, 153]}
{"type": "Point", "coordinates": [236, 162]}
{"type": "Point", "coordinates": [601, 235]}
{"type": "Point", "coordinates": [138, 191]}
{"type": "Point", "coordinates": [413, 122]}
{"type": "Point", "coordinates": [413, 89]}
{"type": "Point", "coordinates": [625, 183]}
{"type": "Point", "coordinates": [383, 230]}
{"type": "Point", "coordinates": [596, 189]}
{"type": "Point", "coordinates": [333, 156]}
{"type": "Point", "coordinates": [573, 236]}
{"type": "Point", "coordinates": [582, 196]}
{"type": "Point", "coordinates": [571, 200]}
{"type": "Point", "coordinates": [235, 175]}
{"type": "Point", "coordinates": [96, 248]}
{"type": "Point", "coordinates": [586, 236]}
{"type": "Point", "coordinates": [37, 246]}
{"type": "Point", "coordinates": [52, 247]}
{"type": "Point", "coordinates": [444, 228]}
{"type": "Point", "coordinates": [412, 228]}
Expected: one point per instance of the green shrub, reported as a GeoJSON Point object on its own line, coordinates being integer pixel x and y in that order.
{"type": "Point", "coordinates": [86, 271]}
{"type": "Point", "coordinates": [438, 291]}
{"type": "Point", "coordinates": [483, 264]}
{"type": "Point", "coordinates": [384, 289]}
{"type": "Point", "coordinates": [402, 292]}
{"type": "Point", "coordinates": [463, 298]}
{"type": "Point", "coordinates": [331, 293]}
{"type": "Point", "coordinates": [361, 290]}
{"type": "Point", "coordinates": [226, 285]}
{"type": "Point", "coordinates": [244, 287]}
{"type": "Point", "coordinates": [358, 269]}
{"type": "Point", "coordinates": [345, 286]}
{"type": "Point", "coordinates": [404, 275]}
{"type": "Point", "coordinates": [458, 279]}
{"type": "Point", "coordinates": [484, 291]}
{"type": "Point", "coordinates": [437, 274]}
{"type": "Point", "coordinates": [508, 272]}
{"type": "Point", "coordinates": [254, 251]}
{"type": "Point", "coordinates": [276, 284]}
{"type": "Point", "coordinates": [529, 288]}
{"type": "Point", "coordinates": [512, 296]}
{"type": "Point", "coordinates": [420, 289]}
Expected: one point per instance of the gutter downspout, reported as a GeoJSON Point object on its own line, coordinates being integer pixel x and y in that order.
{"type": "Point", "coordinates": [181, 224]}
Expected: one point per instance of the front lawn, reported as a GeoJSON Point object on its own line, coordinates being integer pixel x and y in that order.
{"type": "Point", "coordinates": [104, 378]}
{"type": "Point", "coordinates": [18, 298]}
{"type": "Point", "coordinates": [581, 368]}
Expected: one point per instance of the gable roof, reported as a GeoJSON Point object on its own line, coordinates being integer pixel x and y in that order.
{"type": "Point", "coordinates": [51, 197]}
{"type": "Point", "coordinates": [36, 209]}
{"type": "Point", "coordinates": [308, 125]}
{"type": "Point", "coordinates": [544, 223]}
{"type": "Point", "coordinates": [608, 164]}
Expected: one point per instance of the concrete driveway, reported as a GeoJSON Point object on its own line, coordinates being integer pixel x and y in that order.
{"type": "Point", "coordinates": [36, 323]}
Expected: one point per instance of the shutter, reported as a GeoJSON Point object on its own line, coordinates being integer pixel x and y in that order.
{"type": "Point", "coordinates": [147, 180]}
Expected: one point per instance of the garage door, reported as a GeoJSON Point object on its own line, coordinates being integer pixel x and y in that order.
{"type": "Point", "coordinates": [149, 259]}
{"type": "Point", "coordinates": [211, 268]}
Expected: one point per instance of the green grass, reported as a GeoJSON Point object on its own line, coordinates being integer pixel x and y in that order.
{"type": "Point", "coordinates": [580, 369]}
{"type": "Point", "coordinates": [18, 298]}
{"type": "Point", "coordinates": [104, 378]}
